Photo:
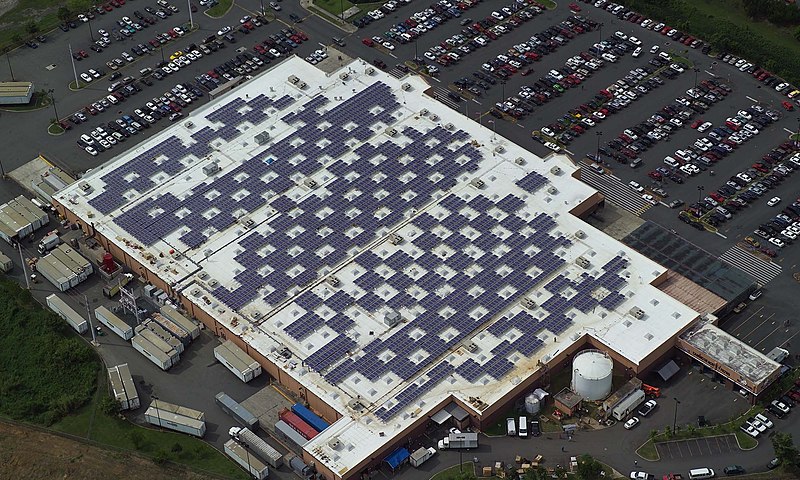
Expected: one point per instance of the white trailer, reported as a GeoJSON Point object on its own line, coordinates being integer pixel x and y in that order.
{"type": "Point", "coordinates": [56, 273]}
{"type": "Point", "coordinates": [628, 405]}
{"type": "Point", "coordinates": [66, 312]}
{"type": "Point", "coordinates": [249, 462]}
{"type": "Point", "coordinates": [153, 353]}
{"type": "Point", "coordinates": [421, 455]}
{"type": "Point", "coordinates": [123, 387]}
{"type": "Point", "coordinates": [113, 322]}
{"type": "Point", "coordinates": [175, 417]}
{"type": "Point", "coordinates": [161, 333]}
{"type": "Point", "coordinates": [257, 445]}
{"type": "Point", "coordinates": [174, 329]}
{"type": "Point", "coordinates": [237, 361]}
{"type": "Point", "coordinates": [159, 343]}
{"type": "Point", "coordinates": [5, 263]}
{"type": "Point", "coordinates": [235, 410]}
{"type": "Point", "coordinates": [191, 327]}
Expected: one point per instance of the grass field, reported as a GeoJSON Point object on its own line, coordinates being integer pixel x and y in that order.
{"type": "Point", "coordinates": [454, 472]}
{"type": "Point", "coordinates": [13, 21]}
{"type": "Point", "coordinates": [220, 9]}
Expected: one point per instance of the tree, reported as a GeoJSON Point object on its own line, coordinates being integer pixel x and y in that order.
{"type": "Point", "coordinates": [161, 457]}
{"type": "Point", "coordinates": [64, 13]}
{"type": "Point", "coordinates": [589, 468]}
{"type": "Point", "coordinates": [536, 473]}
{"type": "Point", "coordinates": [653, 434]}
{"type": "Point", "coordinates": [31, 26]}
{"type": "Point", "coordinates": [668, 431]}
{"type": "Point", "coordinates": [109, 405]}
{"type": "Point", "coordinates": [466, 474]}
{"type": "Point", "coordinates": [785, 449]}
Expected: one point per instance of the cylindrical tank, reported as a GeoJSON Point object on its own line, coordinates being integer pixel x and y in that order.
{"type": "Point", "coordinates": [108, 263]}
{"type": "Point", "coordinates": [591, 374]}
{"type": "Point", "coordinates": [532, 404]}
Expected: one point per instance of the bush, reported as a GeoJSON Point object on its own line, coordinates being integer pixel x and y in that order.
{"type": "Point", "coordinates": [109, 405]}
{"type": "Point", "coordinates": [161, 457]}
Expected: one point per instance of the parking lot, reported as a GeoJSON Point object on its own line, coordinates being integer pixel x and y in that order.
{"type": "Point", "coordinates": [697, 447]}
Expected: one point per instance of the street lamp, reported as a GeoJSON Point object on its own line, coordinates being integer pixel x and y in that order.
{"type": "Point", "coordinates": [91, 33]}
{"type": "Point", "coordinates": [247, 454]}
{"type": "Point", "coordinates": [53, 99]}
{"type": "Point", "coordinates": [162, 53]}
{"type": "Point", "coordinates": [9, 65]}
{"type": "Point", "coordinates": [700, 189]}
{"type": "Point", "coordinates": [696, 71]}
{"type": "Point", "coordinates": [598, 134]}
{"type": "Point", "coordinates": [503, 89]}
{"type": "Point", "coordinates": [262, 8]}
{"type": "Point", "coordinates": [600, 29]}
{"type": "Point", "coordinates": [158, 413]}
{"type": "Point", "coordinates": [675, 418]}
{"type": "Point", "coordinates": [341, 9]}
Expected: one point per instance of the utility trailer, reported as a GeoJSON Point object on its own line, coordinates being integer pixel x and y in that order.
{"type": "Point", "coordinates": [174, 330]}
{"type": "Point", "coordinates": [249, 462]}
{"type": "Point", "coordinates": [66, 312]}
{"type": "Point", "coordinates": [123, 387]}
{"type": "Point", "coordinates": [237, 361]}
{"type": "Point", "coordinates": [192, 328]}
{"type": "Point", "coordinates": [257, 445]}
{"type": "Point", "coordinates": [113, 322]}
{"type": "Point", "coordinates": [235, 410]}
{"type": "Point", "coordinates": [161, 333]}
{"type": "Point", "coordinates": [175, 417]}
{"type": "Point", "coordinates": [153, 353]}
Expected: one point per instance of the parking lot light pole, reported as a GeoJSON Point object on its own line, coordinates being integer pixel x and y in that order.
{"type": "Point", "coordinates": [503, 88]}
{"type": "Point", "coordinates": [53, 99]}
{"type": "Point", "coordinates": [189, 6]}
{"type": "Point", "coordinates": [158, 413]}
{"type": "Point", "coordinates": [700, 189]}
{"type": "Point", "coordinates": [598, 134]}
{"type": "Point", "coordinates": [74, 71]}
{"type": "Point", "coordinates": [162, 53]}
{"type": "Point", "coordinates": [600, 29]}
{"type": "Point", "coordinates": [91, 33]}
{"type": "Point", "coordinates": [341, 9]}
{"type": "Point", "coordinates": [262, 8]}
{"type": "Point", "coordinates": [675, 417]}
{"type": "Point", "coordinates": [696, 71]}
{"type": "Point", "coordinates": [9, 66]}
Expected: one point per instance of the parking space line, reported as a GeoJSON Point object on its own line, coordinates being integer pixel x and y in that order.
{"type": "Point", "coordinates": [746, 320]}
{"type": "Point", "coordinates": [779, 327]}
{"type": "Point", "coordinates": [756, 328]}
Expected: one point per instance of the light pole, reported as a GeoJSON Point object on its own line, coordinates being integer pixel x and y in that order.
{"type": "Point", "coordinates": [598, 134]}
{"type": "Point", "coordinates": [91, 33]}
{"type": "Point", "coordinates": [262, 8]}
{"type": "Point", "coordinates": [696, 71]}
{"type": "Point", "coordinates": [53, 99]}
{"type": "Point", "coordinates": [189, 6]}
{"type": "Point", "coordinates": [158, 413]}
{"type": "Point", "coordinates": [700, 189]}
{"type": "Point", "coordinates": [247, 454]}
{"type": "Point", "coordinates": [600, 29]}
{"type": "Point", "coordinates": [162, 53]}
{"type": "Point", "coordinates": [503, 89]}
{"type": "Point", "coordinates": [675, 417]}
{"type": "Point", "coordinates": [341, 9]}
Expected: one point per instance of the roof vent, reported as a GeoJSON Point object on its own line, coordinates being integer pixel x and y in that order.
{"type": "Point", "coordinates": [392, 318]}
{"type": "Point", "coordinates": [293, 79]}
{"type": "Point", "coordinates": [449, 126]}
{"type": "Point", "coordinates": [211, 168]}
{"type": "Point", "coordinates": [333, 281]}
{"type": "Point", "coordinates": [212, 283]}
{"type": "Point", "coordinates": [369, 71]}
{"type": "Point", "coordinates": [434, 117]}
{"type": "Point", "coordinates": [552, 190]}
{"type": "Point", "coordinates": [529, 303]}
{"type": "Point", "coordinates": [334, 443]}
{"type": "Point", "coordinates": [424, 112]}
{"type": "Point", "coordinates": [395, 239]}
{"type": "Point", "coordinates": [519, 161]}
{"type": "Point", "coordinates": [247, 222]}
{"type": "Point", "coordinates": [637, 313]}
{"type": "Point", "coordinates": [582, 262]}
{"type": "Point", "coordinates": [556, 170]}
{"type": "Point", "coordinates": [310, 183]}
{"type": "Point", "coordinates": [391, 132]}
{"type": "Point", "coordinates": [301, 85]}
{"type": "Point", "coordinates": [189, 124]}
{"type": "Point", "coordinates": [477, 183]}
{"type": "Point", "coordinates": [499, 149]}
{"type": "Point", "coordinates": [580, 234]}
{"type": "Point", "coordinates": [406, 86]}
{"type": "Point", "coordinates": [85, 187]}
{"type": "Point", "coordinates": [344, 75]}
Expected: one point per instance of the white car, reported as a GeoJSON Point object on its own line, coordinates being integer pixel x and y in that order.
{"type": "Point", "coordinates": [652, 201]}
{"type": "Point", "coordinates": [641, 476]}
{"type": "Point", "coordinates": [222, 31]}
{"type": "Point", "coordinates": [86, 77]}
{"type": "Point", "coordinates": [780, 406]}
{"type": "Point", "coordinates": [632, 422]}
{"type": "Point", "coordinates": [638, 188]}
{"type": "Point", "coordinates": [655, 49]}
{"type": "Point", "coordinates": [388, 45]}
{"type": "Point", "coordinates": [757, 425]}
{"type": "Point", "coordinates": [749, 429]}
{"type": "Point", "coordinates": [705, 126]}
{"type": "Point", "coordinates": [179, 31]}
{"type": "Point", "coordinates": [764, 420]}
{"type": "Point", "coordinates": [777, 242]}
{"type": "Point", "coordinates": [91, 151]}
{"type": "Point", "coordinates": [773, 201]}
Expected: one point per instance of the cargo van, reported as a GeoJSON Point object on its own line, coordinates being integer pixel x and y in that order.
{"type": "Point", "coordinates": [698, 473]}
{"type": "Point", "coordinates": [511, 427]}
{"type": "Point", "coordinates": [523, 427]}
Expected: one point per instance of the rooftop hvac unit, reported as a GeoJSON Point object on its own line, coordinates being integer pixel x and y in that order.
{"type": "Point", "coordinates": [434, 117]}
{"type": "Point", "coordinates": [293, 79]}
{"type": "Point", "coordinates": [211, 168]}
{"type": "Point", "coordinates": [334, 443]}
{"type": "Point", "coordinates": [344, 75]}
{"type": "Point", "coordinates": [499, 149]}
{"type": "Point", "coordinates": [406, 86]}
{"type": "Point", "coordinates": [395, 239]}
{"type": "Point", "coordinates": [449, 126]}
{"type": "Point", "coordinates": [582, 262]}
{"type": "Point", "coordinates": [310, 183]}
{"type": "Point", "coordinates": [189, 124]}
{"type": "Point", "coordinates": [392, 318]}
{"type": "Point", "coordinates": [369, 71]}
{"type": "Point", "coordinates": [85, 187]}
{"type": "Point", "coordinates": [552, 190]}
{"type": "Point", "coordinates": [212, 283]}
{"type": "Point", "coordinates": [301, 85]}
{"type": "Point", "coordinates": [471, 347]}
{"type": "Point", "coordinates": [333, 281]}
{"type": "Point", "coordinates": [424, 112]}
{"type": "Point", "coordinates": [519, 161]}
{"type": "Point", "coordinates": [528, 303]}
{"type": "Point", "coordinates": [391, 132]}
{"type": "Point", "coordinates": [580, 234]}
{"type": "Point", "coordinates": [637, 313]}
{"type": "Point", "coordinates": [556, 170]}
{"type": "Point", "coordinates": [247, 222]}
{"type": "Point", "coordinates": [203, 275]}
{"type": "Point", "coordinates": [477, 183]}
{"type": "Point", "coordinates": [196, 292]}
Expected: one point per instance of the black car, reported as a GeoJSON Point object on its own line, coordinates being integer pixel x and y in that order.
{"type": "Point", "coordinates": [379, 63]}
{"type": "Point", "coordinates": [32, 44]}
{"type": "Point", "coordinates": [535, 430]}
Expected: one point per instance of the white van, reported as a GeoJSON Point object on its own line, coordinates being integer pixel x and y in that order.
{"type": "Point", "coordinates": [671, 162]}
{"type": "Point", "coordinates": [523, 427]}
{"type": "Point", "coordinates": [511, 427]}
{"type": "Point", "coordinates": [698, 473]}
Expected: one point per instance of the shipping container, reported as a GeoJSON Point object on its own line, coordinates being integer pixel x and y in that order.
{"type": "Point", "coordinates": [153, 353]}
{"type": "Point", "coordinates": [192, 328]}
{"type": "Point", "coordinates": [310, 417]}
{"type": "Point", "coordinates": [237, 361]}
{"type": "Point", "coordinates": [123, 387]}
{"type": "Point", "coordinates": [56, 274]}
{"type": "Point", "coordinates": [66, 312]}
{"type": "Point", "coordinates": [290, 433]}
{"type": "Point", "coordinates": [304, 429]}
{"type": "Point", "coordinates": [113, 322]}
{"type": "Point", "coordinates": [235, 410]}
{"type": "Point", "coordinates": [298, 465]}
{"type": "Point", "coordinates": [176, 418]}
{"type": "Point", "coordinates": [64, 267]}
{"type": "Point", "coordinates": [245, 460]}
{"type": "Point", "coordinates": [5, 263]}
{"type": "Point", "coordinates": [172, 328]}
{"type": "Point", "coordinates": [161, 333]}
{"type": "Point", "coordinates": [257, 445]}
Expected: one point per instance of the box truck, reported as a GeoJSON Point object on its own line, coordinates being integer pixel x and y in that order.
{"type": "Point", "coordinates": [459, 440]}
{"type": "Point", "coordinates": [421, 455]}
{"type": "Point", "coordinates": [5, 263]}
{"type": "Point", "coordinates": [249, 462]}
{"type": "Point", "coordinates": [257, 445]}
{"type": "Point", "coordinates": [113, 322]}
{"type": "Point", "coordinates": [628, 405]}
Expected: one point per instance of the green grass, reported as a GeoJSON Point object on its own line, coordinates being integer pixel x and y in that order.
{"type": "Point", "coordinates": [548, 4]}
{"type": "Point", "coordinates": [37, 101]}
{"type": "Point", "coordinates": [453, 472]}
{"type": "Point", "coordinates": [55, 129]}
{"type": "Point", "coordinates": [732, 11]}
{"type": "Point", "coordinates": [336, 7]}
{"type": "Point", "coordinates": [220, 9]}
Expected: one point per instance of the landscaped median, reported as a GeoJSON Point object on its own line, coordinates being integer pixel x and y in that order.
{"type": "Point", "coordinates": [220, 9]}
{"type": "Point", "coordinates": [746, 442]}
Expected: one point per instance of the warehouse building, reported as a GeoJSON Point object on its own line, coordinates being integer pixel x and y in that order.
{"type": "Point", "coordinates": [16, 93]}
{"type": "Point", "coordinates": [378, 255]}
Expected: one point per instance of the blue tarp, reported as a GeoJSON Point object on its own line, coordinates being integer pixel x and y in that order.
{"type": "Point", "coordinates": [396, 458]}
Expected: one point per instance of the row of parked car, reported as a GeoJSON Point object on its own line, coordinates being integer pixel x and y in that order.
{"type": "Point", "coordinates": [420, 21]}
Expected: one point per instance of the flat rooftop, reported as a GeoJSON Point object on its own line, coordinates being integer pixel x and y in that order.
{"type": "Point", "coordinates": [364, 203]}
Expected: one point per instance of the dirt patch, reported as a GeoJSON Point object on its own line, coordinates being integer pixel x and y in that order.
{"type": "Point", "coordinates": [32, 454]}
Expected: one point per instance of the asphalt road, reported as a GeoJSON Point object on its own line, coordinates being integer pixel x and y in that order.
{"type": "Point", "coordinates": [761, 324]}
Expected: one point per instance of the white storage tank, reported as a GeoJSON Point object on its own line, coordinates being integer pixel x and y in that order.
{"type": "Point", "coordinates": [591, 374]}
{"type": "Point", "coordinates": [532, 404]}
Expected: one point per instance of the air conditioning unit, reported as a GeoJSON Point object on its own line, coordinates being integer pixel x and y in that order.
{"type": "Point", "coordinates": [449, 126]}
{"type": "Point", "coordinates": [301, 85]}
{"type": "Point", "coordinates": [424, 112]}
{"type": "Point", "coordinates": [369, 71]}
{"type": "Point", "coordinates": [406, 86]}
{"type": "Point", "coordinates": [196, 292]}
{"type": "Point", "coordinates": [247, 222]}
{"type": "Point", "coordinates": [333, 281]}
{"type": "Point", "coordinates": [580, 234]}
{"type": "Point", "coordinates": [203, 275]}
{"type": "Point", "coordinates": [552, 190]}
{"type": "Point", "coordinates": [392, 318]}
{"type": "Point", "coordinates": [189, 124]}
{"type": "Point", "coordinates": [637, 313]}
{"type": "Point", "coordinates": [211, 168]}
{"type": "Point", "coordinates": [477, 183]}
{"type": "Point", "coordinates": [582, 262]}
{"type": "Point", "coordinates": [434, 117]}
{"type": "Point", "coordinates": [85, 187]}
{"type": "Point", "coordinates": [395, 239]}
{"type": "Point", "coordinates": [310, 183]}
{"type": "Point", "coordinates": [391, 132]}
{"type": "Point", "coordinates": [499, 149]}
{"type": "Point", "coordinates": [344, 76]}
{"type": "Point", "coordinates": [293, 79]}
{"type": "Point", "coordinates": [556, 170]}
{"type": "Point", "coordinates": [519, 161]}
{"type": "Point", "coordinates": [334, 443]}
{"type": "Point", "coordinates": [471, 347]}
{"type": "Point", "coordinates": [212, 283]}
{"type": "Point", "coordinates": [529, 303]}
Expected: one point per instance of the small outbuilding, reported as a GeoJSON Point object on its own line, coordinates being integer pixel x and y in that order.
{"type": "Point", "coordinates": [567, 401]}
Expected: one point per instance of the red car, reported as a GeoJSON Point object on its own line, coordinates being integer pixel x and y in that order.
{"type": "Point", "coordinates": [788, 106]}
{"type": "Point", "coordinates": [258, 48]}
{"type": "Point", "coordinates": [696, 123]}
{"type": "Point", "coordinates": [368, 42]}
{"type": "Point", "coordinates": [107, 7]}
{"type": "Point", "coordinates": [574, 7]}
{"type": "Point", "coordinates": [303, 36]}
